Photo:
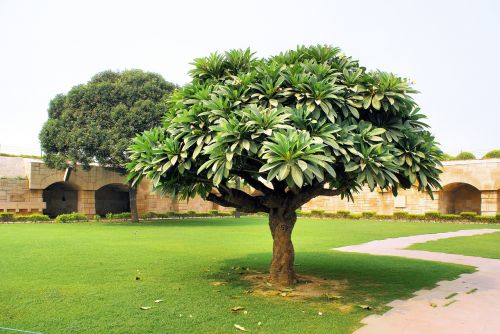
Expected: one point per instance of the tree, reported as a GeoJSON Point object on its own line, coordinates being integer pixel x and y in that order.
{"type": "Point", "coordinates": [305, 123]}
{"type": "Point", "coordinates": [495, 154]}
{"type": "Point", "coordinates": [465, 156]}
{"type": "Point", "coordinates": [95, 122]}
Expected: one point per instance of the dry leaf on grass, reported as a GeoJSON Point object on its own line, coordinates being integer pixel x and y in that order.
{"type": "Point", "coordinates": [241, 328]}
{"type": "Point", "coordinates": [237, 308]}
{"type": "Point", "coordinates": [217, 283]}
{"type": "Point", "coordinates": [145, 307]}
{"type": "Point", "coordinates": [158, 300]}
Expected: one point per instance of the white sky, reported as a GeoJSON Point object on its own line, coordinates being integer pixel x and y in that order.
{"type": "Point", "coordinates": [450, 48]}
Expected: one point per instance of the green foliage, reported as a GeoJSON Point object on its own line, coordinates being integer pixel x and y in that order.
{"type": "Point", "coordinates": [96, 217]}
{"type": "Point", "coordinates": [383, 216]}
{"type": "Point", "coordinates": [213, 212]}
{"type": "Point", "coordinates": [122, 215]}
{"type": "Point", "coordinates": [355, 216]}
{"type": "Point", "coordinates": [36, 217]}
{"type": "Point", "coordinates": [368, 214]}
{"type": "Point", "coordinates": [431, 215]}
{"type": "Point", "coordinates": [486, 219]}
{"type": "Point", "coordinates": [317, 213]}
{"type": "Point", "coordinates": [450, 217]}
{"type": "Point", "coordinates": [70, 217]}
{"type": "Point", "coordinates": [492, 154]}
{"type": "Point", "coordinates": [465, 156]}
{"type": "Point", "coordinates": [331, 215]}
{"type": "Point", "coordinates": [400, 214]}
{"type": "Point", "coordinates": [300, 120]}
{"type": "Point", "coordinates": [95, 121]}
{"type": "Point", "coordinates": [415, 216]}
{"type": "Point", "coordinates": [343, 213]}
{"type": "Point", "coordinates": [468, 215]}
{"type": "Point", "coordinates": [6, 217]}
{"type": "Point", "coordinates": [446, 157]}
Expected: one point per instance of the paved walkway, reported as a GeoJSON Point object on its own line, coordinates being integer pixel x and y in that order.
{"type": "Point", "coordinates": [469, 304]}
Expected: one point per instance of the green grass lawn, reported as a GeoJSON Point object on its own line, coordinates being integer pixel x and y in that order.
{"type": "Point", "coordinates": [80, 278]}
{"type": "Point", "coordinates": [486, 245]}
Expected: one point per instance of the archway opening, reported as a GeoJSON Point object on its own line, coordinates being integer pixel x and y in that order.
{"type": "Point", "coordinates": [112, 198]}
{"type": "Point", "coordinates": [59, 198]}
{"type": "Point", "coordinates": [460, 197]}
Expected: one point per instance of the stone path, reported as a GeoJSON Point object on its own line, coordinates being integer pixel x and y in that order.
{"type": "Point", "coordinates": [469, 304]}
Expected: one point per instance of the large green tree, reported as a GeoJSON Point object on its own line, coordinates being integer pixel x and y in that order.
{"type": "Point", "coordinates": [95, 122]}
{"type": "Point", "coordinates": [305, 123]}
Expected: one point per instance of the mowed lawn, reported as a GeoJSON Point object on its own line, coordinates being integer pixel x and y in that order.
{"type": "Point", "coordinates": [487, 245]}
{"type": "Point", "coordinates": [81, 278]}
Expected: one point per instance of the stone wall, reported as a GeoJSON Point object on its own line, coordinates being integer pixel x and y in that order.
{"type": "Point", "coordinates": [22, 182]}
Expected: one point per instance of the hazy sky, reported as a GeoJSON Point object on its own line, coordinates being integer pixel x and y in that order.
{"type": "Point", "coordinates": [450, 48]}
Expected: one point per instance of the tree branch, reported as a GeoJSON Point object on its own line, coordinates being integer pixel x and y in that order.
{"type": "Point", "coordinates": [310, 192]}
{"type": "Point", "coordinates": [237, 199]}
{"type": "Point", "coordinates": [255, 183]}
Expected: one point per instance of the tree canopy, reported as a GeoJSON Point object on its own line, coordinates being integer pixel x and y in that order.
{"type": "Point", "coordinates": [95, 122]}
{"type": "Point", "coordinates": [301, 124]}
{"type": "Point", "coordinates": [303, 119]}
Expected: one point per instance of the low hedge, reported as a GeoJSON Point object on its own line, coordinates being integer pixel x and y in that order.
{"type": "Point", "coordinates": [36, 217]}
{"type": "Point", "coordinates": [122, 215]}
{"type": "Point", "coordinates": [6, 217]}
{"type": "Point", "coordinates": [70, 217]}
{"type": "Point", "coordinates": [403, 216]}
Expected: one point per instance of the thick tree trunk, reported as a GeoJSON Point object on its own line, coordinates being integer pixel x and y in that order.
{"type": "Point", "coordinates": [281, 224]}
{"type": "Point", "coordinates": [132, 192]}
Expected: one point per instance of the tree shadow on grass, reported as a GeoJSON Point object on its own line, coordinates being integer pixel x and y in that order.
{"type": "Point", "coordinates": [369, 279]}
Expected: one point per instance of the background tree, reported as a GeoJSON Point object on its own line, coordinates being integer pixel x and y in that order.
{"type": "Point", "coordinates": [495, 154]}
{"type": "Point", "coordinates": [305, 123]}
{"type": "Point", "coordinates": [95, 122]}
{"type": "Point", "coordinates": [465, 156]}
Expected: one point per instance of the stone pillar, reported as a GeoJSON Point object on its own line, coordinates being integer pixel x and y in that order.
{"type": "Point", "coordinates": [489, 202]}
{"type": "Point", "coordinates": [86, 202]}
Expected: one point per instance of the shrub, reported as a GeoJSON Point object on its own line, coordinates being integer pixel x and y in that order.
{"type": "Point", "coordinates": [203, 214]}
{"type": "Point", "coordinates": [354, 216]}
{"type": "Point", "coordinates": [149, 215]}
{"type": "Point", "coordinates": [368, 214]}
{"type": "Point", "coordinates": [384, 216]}
{"type": "Point", "coordinates": [400, 215]}
{"type": "Point", "coordinates": [492, 154]}
{"type": "Point", "coordinates": [36, 217]}
{"type": "Point", "coordinates": [225, 214]}
{"type": "Point", "coordinates": [214, 212]}
{"type": "Point", "coordinates": [415, 217]}
{"type": "Point", "coordinates": [468, 215]}
{"type": "Point", "coordinates": [6, 217]}
{"type": "Point", "coordinates": [122, 215]}
{"type": "Point", "coordinates": [465, 156]}
{"type": "Point", "coordinates": [343, 213]}
{"type": "Point", "coordinates": [450, 217]}
{"type": "Point", "coordinates": [191, 213]}
{"type": "Point", "coordinates": [446, 157]}
{"type": "Point", "coordinates": [331, 215]}
{"type": "Point", "coordinates": [486, 219]}
{"type": "Point", "coordinates": [70, 217]}
{"type": "Point", "coordinates": [305, 214]}
{"type": "Point", "coordinates": [432, 215]}
{"type": "Point", "coordinates": [317, 213]}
